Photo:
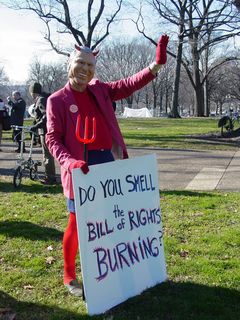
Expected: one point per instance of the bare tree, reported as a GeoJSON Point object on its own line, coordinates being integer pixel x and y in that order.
{"type": "Point", "coordinates": [224, 85]}
{"type": "Point", "coordinates": [128, 58]}
{"type": "Point", "coordinates": [4, 82]}
{"type": "Point", "coordinates": [3, 77]}
{"type": "Point", "coordinates": [237, 4]}
{"type": "Point", "coordinates": [203, 23]}
{"type": "Point", "coordinates": [233, 70]}
{"type": "Point", "coordinates": [174, 12]}
{"type": "Point", "coordinates": [162, 89]}
{"type": "Point", "coordinates": [89, 27]}
{"type": "Point", "coordinates": [218, 88]}
{"type": "Point", "coordinates": [51, 76]}
{"type": "Point", "coordinates": [186, 99]}
{"type": "Point", "coordinates": [210, 23]}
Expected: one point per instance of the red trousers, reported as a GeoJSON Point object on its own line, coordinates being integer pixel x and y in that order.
{"type": "Point", "coordinates": [70, 248]}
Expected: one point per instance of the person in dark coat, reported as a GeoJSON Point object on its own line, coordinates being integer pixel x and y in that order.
{"type": "Point", "coordinates": [2, 109]}
{"type": "Point", "coordinates": [39, 112]}
{"type": "Point", "coordinates": [18, 107]}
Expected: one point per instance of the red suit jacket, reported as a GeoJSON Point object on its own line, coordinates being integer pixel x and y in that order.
{"type": "Point", "coordinates": [62, 115]}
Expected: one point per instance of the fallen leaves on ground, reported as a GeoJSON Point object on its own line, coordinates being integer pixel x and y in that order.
{"type": "Point", "coordinates": [50, 260]}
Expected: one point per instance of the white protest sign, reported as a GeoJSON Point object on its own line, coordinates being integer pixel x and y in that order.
{"type": "Point", "coordinates": [119, 230]}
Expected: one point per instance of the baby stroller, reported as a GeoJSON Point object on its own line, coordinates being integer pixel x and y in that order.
{"type": "Point", "coordinates": [25, 163]}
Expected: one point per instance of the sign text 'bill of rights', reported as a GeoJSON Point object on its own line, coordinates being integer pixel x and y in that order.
{"type": "Point", "coordinates": [120, 230]}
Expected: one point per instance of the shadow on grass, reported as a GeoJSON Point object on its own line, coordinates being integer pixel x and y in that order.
{"type": "Point", "coordinates": [28, 230]}
{"type": "Point", "coordinates": [33, 187]}
{"type": "Point", "coordinates": [167, 301]}
{"type": "Point", "coordinates": [19, 310]}
{"type": "Point", "coordinates": [181, 301]}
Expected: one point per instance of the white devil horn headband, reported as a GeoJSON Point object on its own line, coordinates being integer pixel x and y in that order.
{"type": "Point", "coordinates": [86, 49]}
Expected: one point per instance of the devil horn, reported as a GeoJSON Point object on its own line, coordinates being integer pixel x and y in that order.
{"type": "Point", "coordinates": [86, 49]}
{"type": "Point", "coordinates": [95, 53]}
{"type": "Point", "coordinates": [77, 47]}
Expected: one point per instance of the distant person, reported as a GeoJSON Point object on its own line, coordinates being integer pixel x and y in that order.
{"type": "Point", "coordinates": [18, 107]}
{"type": "Point", "coordinates": [36, 138]}
{"type": "Point", "coordinates": [85, 96]}
{"type": "Point", "coordinates": [40, 120]}
{"type": "Point", "coordinates": [2, 109]}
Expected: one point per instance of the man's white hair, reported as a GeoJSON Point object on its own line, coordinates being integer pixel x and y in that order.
{"type": "Point", "coordinates": [16, 93]}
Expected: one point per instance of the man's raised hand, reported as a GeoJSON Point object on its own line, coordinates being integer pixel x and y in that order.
{"type": "Point", "coordinates": [161, 51]}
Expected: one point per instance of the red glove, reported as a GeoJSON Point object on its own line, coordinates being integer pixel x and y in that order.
{"type": "Point", "coordinates": [161, 51]}
{"type": "Point", "coordinates": [79, 164]}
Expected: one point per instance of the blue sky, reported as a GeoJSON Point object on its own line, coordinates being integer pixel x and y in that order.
{"type": "Point", "coordinates": [21, 38]}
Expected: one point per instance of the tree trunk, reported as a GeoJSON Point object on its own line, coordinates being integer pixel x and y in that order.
{"type": "Point", "coordinates": [198, 88]}
{"type": "Point", "coordinates": [220, 108]}
{"type": "Point", "coordinates": [154, 99]}
{"type": "Point", "coordinates": [146, 100]}
{"type": "Point", "coordinates": [174, 107]}
{"type": "Point", "coordinates": [198, 100]}
{"type": "Point", "coordinates": [122, 106]}
{"type": "Point", "coordinates": [154, 105]}
{"type": "Point", "coordinates": [130, 101]}
{"type": "Point", "coordinates": [206, 99]}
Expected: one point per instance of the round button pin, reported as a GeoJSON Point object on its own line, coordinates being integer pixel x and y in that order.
{"type": "Point", "coordinates": [73, 108]}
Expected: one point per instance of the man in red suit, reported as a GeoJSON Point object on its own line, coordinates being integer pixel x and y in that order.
{"type": "Point", "coordinates": [88, 97]}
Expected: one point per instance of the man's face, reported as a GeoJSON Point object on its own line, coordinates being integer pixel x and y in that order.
{"type": "Point", "coordinates": [34, 95]}
{"type": "Point", "coordinates": [15, 96]}
{"type": "Point", "coordinates": [81, 70]}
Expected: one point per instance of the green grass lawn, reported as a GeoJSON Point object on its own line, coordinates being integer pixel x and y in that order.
{"type": "Point", "coordinates": [201, 239]}
{"type": "Point", "coordinates": [169, 133]}
{"type": "Point", "coordinates": [173, 133]}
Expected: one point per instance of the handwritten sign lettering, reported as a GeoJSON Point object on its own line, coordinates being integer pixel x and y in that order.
{"type": "Point", "coordinates": [98, 229]}
{"type": "Point", "coordinates": [120, 230]}
{"type": "Point", "coordinates": [140, 183]}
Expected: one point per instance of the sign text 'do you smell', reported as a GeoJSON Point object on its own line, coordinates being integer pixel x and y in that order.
{"type": "Point", "coordinates": [120, 230]}
{"type": "Point", "coordinates": [113, 187]}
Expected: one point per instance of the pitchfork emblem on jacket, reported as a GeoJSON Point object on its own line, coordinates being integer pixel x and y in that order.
{"type": "Point", "coordinates": [86, 138]}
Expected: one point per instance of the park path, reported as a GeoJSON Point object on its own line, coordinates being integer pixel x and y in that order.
{"type": "Point", "coordinates": [177, 169]}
